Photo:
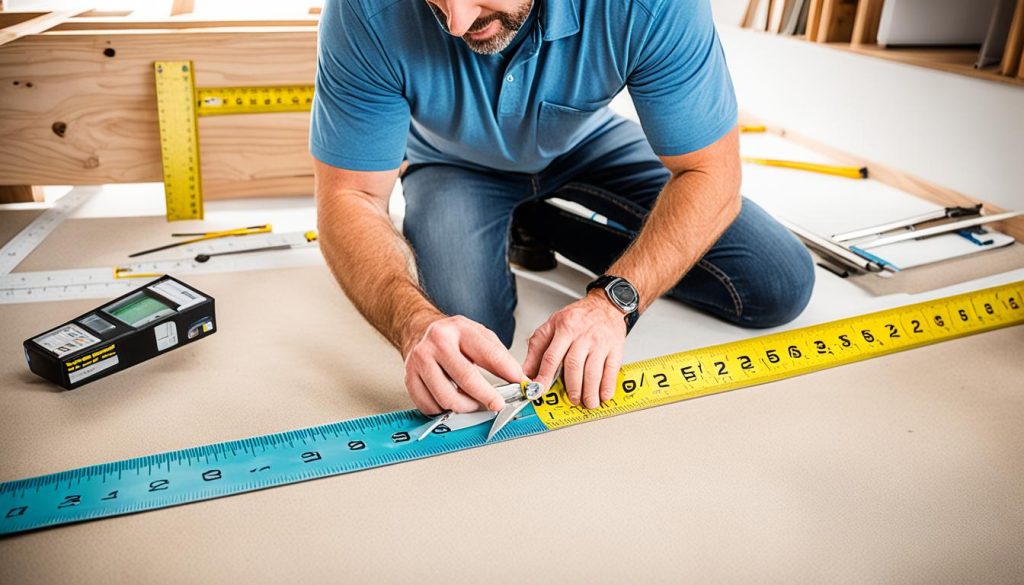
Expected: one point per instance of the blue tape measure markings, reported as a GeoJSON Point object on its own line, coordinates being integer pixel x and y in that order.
{"type": "Point", "coordinates": [223, 469]}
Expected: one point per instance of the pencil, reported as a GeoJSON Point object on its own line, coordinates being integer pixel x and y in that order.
{"type": "Point", "coordinates": [840, 171]}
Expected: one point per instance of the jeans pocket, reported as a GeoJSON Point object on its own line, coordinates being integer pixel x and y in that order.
{"type": "Point", "coordinates": [559, 127]}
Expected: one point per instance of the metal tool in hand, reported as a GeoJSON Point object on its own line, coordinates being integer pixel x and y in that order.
{"type": "Point", "coordinates": [516, 397]}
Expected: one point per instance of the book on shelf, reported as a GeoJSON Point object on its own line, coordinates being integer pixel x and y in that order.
{"type": "Point", "coordinates": [935, 22]}
{"type": "Point", "coordinates": [1013, 50]}
{"type": "Point", "coordinates": [998, 32]}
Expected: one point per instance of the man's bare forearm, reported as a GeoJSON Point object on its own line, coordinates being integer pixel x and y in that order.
{"type": "Point", "coordinates": [373, 264]}
{"type": "Point", "coordinates": [694, 209]}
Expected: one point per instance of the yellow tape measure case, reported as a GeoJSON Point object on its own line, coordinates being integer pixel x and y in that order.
{"type": "Point", "coordinates": [158, 317]}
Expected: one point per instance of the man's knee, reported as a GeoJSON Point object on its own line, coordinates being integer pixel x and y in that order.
{"type": "Point", "coordinates": [491, 306]}
{"type": "Point", "coordinates": [781, 290]}
{"type": "Point", "coordinates": [505, 330]}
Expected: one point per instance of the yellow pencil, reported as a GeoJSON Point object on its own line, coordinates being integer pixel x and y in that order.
{"type": "Point", "coordinates": [753, 128]}
{"type": "Point", "coordinates": [848, 172]}
{"type": "Point", "coordinates": [201, 236]}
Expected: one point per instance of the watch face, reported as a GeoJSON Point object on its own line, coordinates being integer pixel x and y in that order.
{"type": "Point", "coordinates": [624, 295]}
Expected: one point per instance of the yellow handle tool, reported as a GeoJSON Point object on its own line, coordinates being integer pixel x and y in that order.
{"type": "Point", "coordinates": [244, 231]}
{"type": "Point", "coordinates": [839, 171]}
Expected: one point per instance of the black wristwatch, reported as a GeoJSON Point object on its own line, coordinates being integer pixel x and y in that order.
{"type": "Point", "coordinates": [622, 294]}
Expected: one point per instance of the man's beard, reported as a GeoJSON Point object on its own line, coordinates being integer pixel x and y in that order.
{"type": "Point", "coordinates": [510, 25]}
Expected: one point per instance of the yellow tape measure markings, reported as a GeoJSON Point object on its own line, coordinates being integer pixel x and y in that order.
{"type": "Point", "coordinates": [179, 139]}
{"type": "Point", "coordinates": [219, 101]}
{"type": "Point", "coordinates": [781, 355]}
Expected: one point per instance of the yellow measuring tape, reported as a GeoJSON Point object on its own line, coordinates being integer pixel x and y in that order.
{"type": "Point", "coordinates": [220, 101]}
{"type": "Point", "coordinates": [729, 366]}
{"type": "Point", "coordinates": [180, 104]}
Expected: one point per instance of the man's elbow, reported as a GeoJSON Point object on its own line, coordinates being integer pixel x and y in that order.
{"type": "Point", "coordinates": [732, 199]}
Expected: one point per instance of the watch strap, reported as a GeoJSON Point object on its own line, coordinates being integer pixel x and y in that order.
{"type": "Point", "coordinates": [631, 319]}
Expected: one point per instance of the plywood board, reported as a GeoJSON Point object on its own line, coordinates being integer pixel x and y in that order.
{"type": "Point", "coordinates": [79, 107]}
{"type": "Point", "coordinates": [20, 193]}
{"type": "Point", "coordinates": [36, 23]}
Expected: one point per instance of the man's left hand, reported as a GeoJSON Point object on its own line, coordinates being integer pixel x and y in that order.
{"type": "Point", "coordinates": [586, 338]}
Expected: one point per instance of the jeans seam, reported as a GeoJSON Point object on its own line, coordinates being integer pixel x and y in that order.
{"type": "Point", "coordinates": [723, 278]}
{"type": "Point", "coordinates": [574, 217]}
{"type": "Point", "coordinates": [605, 195]}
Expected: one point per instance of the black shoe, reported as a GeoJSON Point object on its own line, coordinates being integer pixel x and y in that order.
{"type": "Point", "coordinates": [529, 253]}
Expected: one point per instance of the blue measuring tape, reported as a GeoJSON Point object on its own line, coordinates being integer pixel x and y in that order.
{"type": "Point", "coordinates": [234, 467]}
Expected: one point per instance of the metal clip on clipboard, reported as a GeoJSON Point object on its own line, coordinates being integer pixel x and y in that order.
{"type": "Point", "coordinates": [850, 250]}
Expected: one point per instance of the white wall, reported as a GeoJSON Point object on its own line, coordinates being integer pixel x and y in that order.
{"type": "Point", "coordinates": [729, 11]}
{"type": "Point", "coordinates": [957, 131]}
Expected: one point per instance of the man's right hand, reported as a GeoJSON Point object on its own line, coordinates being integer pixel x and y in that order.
{"type": "Point", "coordinates": [442, 361]}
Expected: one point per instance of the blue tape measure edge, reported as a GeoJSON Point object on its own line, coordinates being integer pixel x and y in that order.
{"type": "Point", "coordinates": [527, 425]}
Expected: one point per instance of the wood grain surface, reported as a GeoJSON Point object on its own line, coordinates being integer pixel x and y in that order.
{"type": "Point", "coordinates": [79, 107]}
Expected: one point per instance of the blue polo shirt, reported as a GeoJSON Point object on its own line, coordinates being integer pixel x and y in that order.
{"type": "Point", "coordinates": [391, 84]}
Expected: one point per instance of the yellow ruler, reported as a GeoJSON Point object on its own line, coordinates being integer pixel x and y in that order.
{"type": "Point", "coordinates": [729, 366]}
{"type": "Point", "coordinates": [220, 101]}
{"type": "Point", "coordinates": [179, 105]}
{"type": "Point", "coordinates": [179, 139]}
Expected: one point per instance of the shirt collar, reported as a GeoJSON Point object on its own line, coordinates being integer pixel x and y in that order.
{"type": "Point", "coordinates": [559, 18]}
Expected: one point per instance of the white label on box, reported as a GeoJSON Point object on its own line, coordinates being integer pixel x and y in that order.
{"type": "Point", "coordinates": [92, 369]}
{"type": "Point", "coordinates": [67, 339]}
{"type": "Point", "coordinates": [166, 335]}
{"type": "Point", "coordinates": [172, 291]}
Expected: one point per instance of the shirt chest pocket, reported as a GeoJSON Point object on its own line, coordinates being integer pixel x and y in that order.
{"type": "Point", "coordinates": [559, 128]}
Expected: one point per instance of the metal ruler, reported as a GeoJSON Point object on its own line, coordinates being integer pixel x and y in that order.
{"type": "Point", "coordinates": [21, 245]}
{"type": "Point", "coordinates": [93, 283]}
{"type": "Point", "coordinates": [223, 469]}
{"type": "Point", "coordinates": [179, 106]}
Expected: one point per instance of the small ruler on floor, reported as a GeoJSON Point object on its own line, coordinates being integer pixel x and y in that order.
{"type": "Point", "coordinates": [94, 283]}
{"type": "Point", "coordinates": [223, 469]}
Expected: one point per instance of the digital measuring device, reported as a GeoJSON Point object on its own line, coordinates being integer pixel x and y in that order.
{"type": "Point", "coordinates": [180, 104]}
{"type": "Point", "coordinates": [163, 315]}
{"type": "Point", "coordinates": [223, 469]}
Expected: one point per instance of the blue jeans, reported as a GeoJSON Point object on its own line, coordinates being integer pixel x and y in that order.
{"type": "Point", "coordinates": [457, 220]}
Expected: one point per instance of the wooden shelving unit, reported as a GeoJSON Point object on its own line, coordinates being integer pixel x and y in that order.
{"type": "Point", "coordinates": [954, 60]}
{"type": "Point", "coordinates": [852, 25]}
{"type": "Point", "coordinates": [958, 60]}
